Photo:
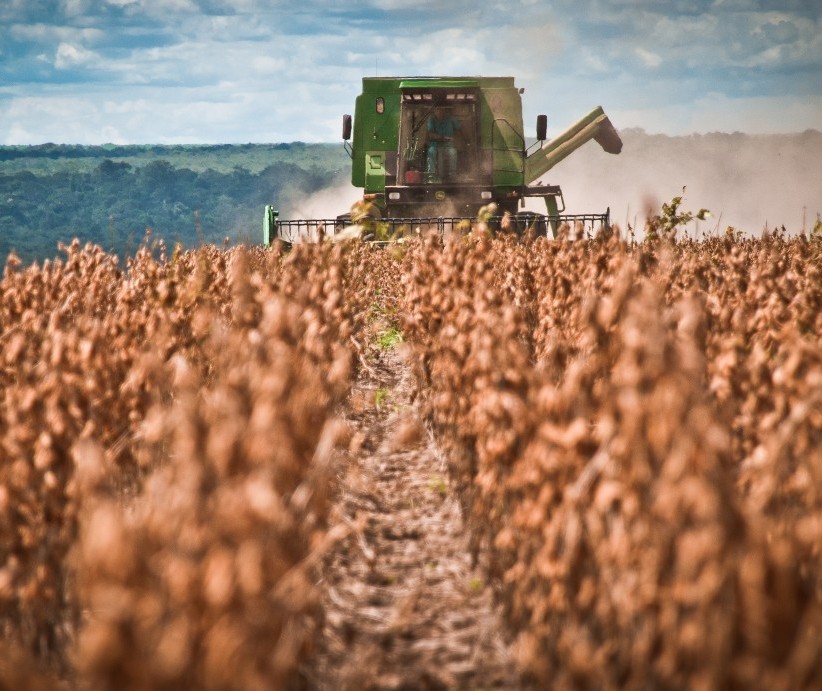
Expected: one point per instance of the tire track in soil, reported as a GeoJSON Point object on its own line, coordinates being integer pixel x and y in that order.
{"type": "Point", "coordinates": [404, 607]}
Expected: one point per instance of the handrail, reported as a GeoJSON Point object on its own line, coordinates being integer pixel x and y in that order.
{"type": "Point", "coordinates": [520, 150]}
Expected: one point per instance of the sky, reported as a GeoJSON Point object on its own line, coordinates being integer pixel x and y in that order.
{"type": "Point", "coordinates": [220, 71]}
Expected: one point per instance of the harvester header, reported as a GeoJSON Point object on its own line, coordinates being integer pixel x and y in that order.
{"type": "Point", "coordinates": [441, 149]}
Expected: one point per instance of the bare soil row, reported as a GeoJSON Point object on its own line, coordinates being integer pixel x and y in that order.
{"type": "Point", "coordinates": [405, 608]}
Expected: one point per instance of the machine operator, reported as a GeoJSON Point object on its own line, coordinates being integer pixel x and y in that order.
{"type": "Point", "coordinates": [441, 164]}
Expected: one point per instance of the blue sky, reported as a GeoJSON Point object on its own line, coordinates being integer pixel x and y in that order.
{"type": "Point", "coordinates": [219, 71]}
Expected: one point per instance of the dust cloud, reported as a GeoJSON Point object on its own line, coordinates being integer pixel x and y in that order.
{"type": "Point", "coordinates": [327, 203]}
{"type": "Point", "coordinates": [323, 205]}
{"type": "Point", "coordinates": [746, 181]}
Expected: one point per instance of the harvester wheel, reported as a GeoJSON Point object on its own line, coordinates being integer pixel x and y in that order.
{"type": "Point", "coordinates": [366, 215]}
{"type": "Point", "coordinates": [531, 222]}
{"type": "Point", "coordinates": [342, 222]}
{"type": "Point", "coordinates": [364, 210]}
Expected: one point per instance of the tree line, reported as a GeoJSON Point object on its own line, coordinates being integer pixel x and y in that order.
{"type": "Point", "coordinates": [114, 203]}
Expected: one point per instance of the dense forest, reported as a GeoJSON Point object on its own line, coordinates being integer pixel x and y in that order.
{"type": "Point", "coordinates": [110, 195]}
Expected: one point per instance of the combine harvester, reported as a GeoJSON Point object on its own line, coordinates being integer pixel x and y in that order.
{"type": "Point", "coordinates": [439, 151]}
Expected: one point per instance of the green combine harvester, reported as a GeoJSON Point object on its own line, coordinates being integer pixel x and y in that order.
{"type": "Point", "coordinates": [439, 151]}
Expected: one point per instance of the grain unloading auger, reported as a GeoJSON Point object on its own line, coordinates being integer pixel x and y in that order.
{"type": "Point", "coordinates": [438, 151]}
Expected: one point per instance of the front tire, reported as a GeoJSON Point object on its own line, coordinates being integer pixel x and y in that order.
{"type": "Point", "coordinates": [530, 222]}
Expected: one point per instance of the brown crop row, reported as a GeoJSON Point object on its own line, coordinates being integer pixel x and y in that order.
{"type": "Point", "coordinates": [636, 432]}
{"type": "Point", "coordinates": [165, 434]}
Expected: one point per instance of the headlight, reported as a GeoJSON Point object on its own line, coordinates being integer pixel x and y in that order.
{"type": "Point", "coordinates": [394, 195]}
{"type": "Point", "coordinates": [485, 195]}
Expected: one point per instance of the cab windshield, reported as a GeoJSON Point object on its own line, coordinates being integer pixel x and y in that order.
{"type": "Point", "coordinates": [438, 139]}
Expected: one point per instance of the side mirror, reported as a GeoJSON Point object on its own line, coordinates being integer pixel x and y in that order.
{"type": "Point", "coordinates": [542, 127]}
{"type": "Point", "coordinates": [346, 127]}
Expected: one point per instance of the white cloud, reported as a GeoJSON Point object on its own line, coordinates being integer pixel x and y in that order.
{"type": "Point", "coordinates": [716, 112]}
{"type": "Point", "coordinates": [648, 58]}
{"type": "Point", "coordinates": [757, 115]}
{"type": "Point", "coordinates": [18, 134]}
{"type": "Point", "coordinates": [453, 51]}
{"type": "Point", "coordinates": [403, 4]}
{"type": "Point", "coordinates": [163, 7]}
{"type": "Point", "coordinates": [151, 6]}
{"type": "Point", "coordinates": [49, 34]}
{"type": "Point", "coordinates": [593, 62]}
{"type": "Point", "coordinates": [56, 118]}
{"type": "Point", "coordinates": [74, 8]}
{"type": "Point", "coordinates": [779, 31]}
{"type": "Point", "coordinates": [111, 135]}
{"type": "Point", "coordinates": [265, 65]}
{"type": "Point", "coordinates": [69, 56]}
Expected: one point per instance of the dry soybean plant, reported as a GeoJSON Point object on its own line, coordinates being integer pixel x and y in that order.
{"type": "Point", "coordinates": [168, 423]}
{"type": "Point", "coordinates": [636, 432]}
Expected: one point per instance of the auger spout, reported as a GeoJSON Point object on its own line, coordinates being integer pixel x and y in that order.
{"type": "Point", "coordinates": [595, 125]}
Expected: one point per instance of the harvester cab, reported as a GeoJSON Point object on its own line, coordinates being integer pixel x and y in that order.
{"type": "Point", "coordinates": [438, 151]}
